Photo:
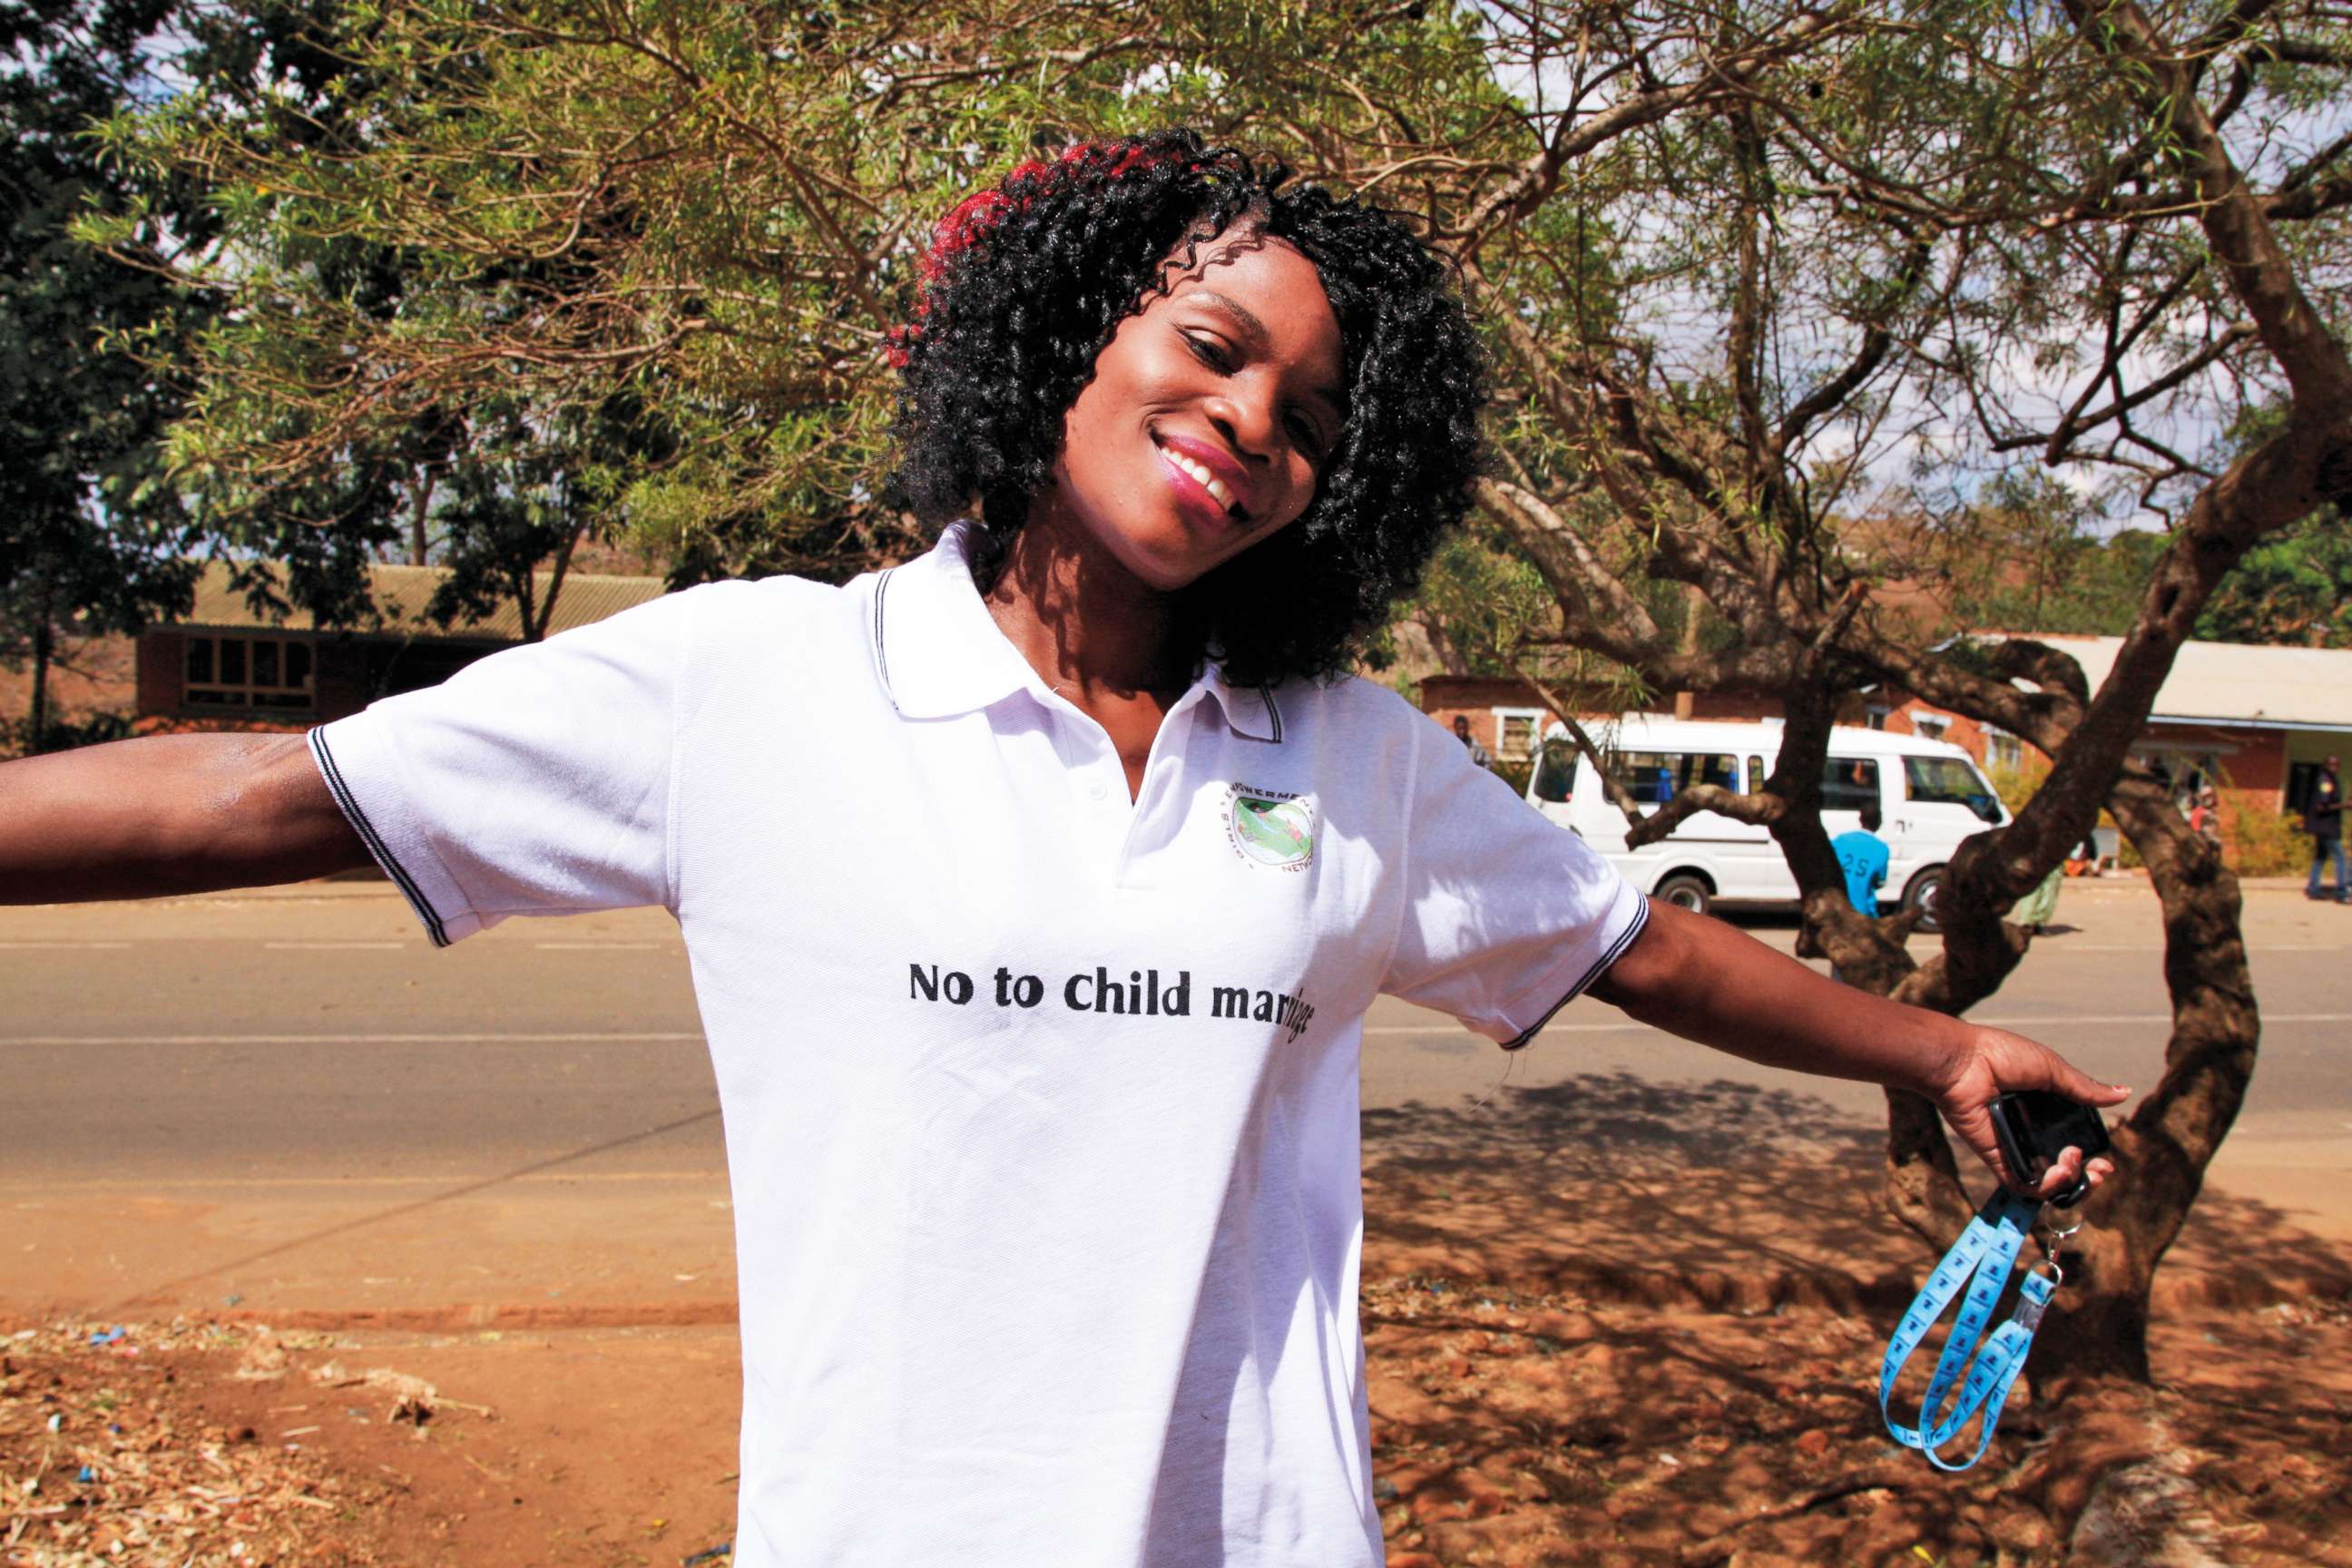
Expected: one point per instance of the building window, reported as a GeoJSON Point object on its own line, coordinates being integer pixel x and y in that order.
{"type": "Point", "coordinates": [247, 672]}
{"type": "Point", "coordinates": [1514, 737]}
{"type": "Point", "coordinates": [1875, 718]}
{"type": "Point", "coordinates": [2003, 749]}
{"type": "Point", "coordinates": [1930, 727]}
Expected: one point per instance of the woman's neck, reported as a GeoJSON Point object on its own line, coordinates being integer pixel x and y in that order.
{"type": "Point", "coordinates": [1089, 627]}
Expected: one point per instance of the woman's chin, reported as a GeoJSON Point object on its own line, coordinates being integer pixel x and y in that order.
{"type": "Point", "coordinates": [1169, 559]}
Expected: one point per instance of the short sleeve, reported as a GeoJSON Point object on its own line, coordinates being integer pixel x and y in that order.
{"type": "Point", "coordinates": [1508, 915]}
{"type": "Point", "coordinates": [533, 782]}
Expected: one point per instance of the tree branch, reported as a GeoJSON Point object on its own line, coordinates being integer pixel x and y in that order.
{"type": "Point", "coordinates": [1757, 810]}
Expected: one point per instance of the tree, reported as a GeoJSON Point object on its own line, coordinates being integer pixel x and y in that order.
{"type": "Point", "coordinates": [424, 483]}
{"type": "Point", "coordinates": [88, 527]}
{"type": "Point", "coordinates": [530, 494]}
{"type": "Point", "coordinates": [1902, 259]}
{"type": "Point", "coordinates": [711, 209]}
{"type": "Point", "coordinates": [2294, 587]}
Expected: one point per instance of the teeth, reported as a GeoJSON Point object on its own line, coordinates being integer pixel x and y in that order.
{"type": "Point", "coordinates": [1202, 478]}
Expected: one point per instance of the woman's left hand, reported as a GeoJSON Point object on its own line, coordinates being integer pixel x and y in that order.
{"type": "Point", "coordinates": [1993, 1062]}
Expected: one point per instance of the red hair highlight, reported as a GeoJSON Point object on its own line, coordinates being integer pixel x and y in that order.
{"type": "Point", "coordinates": [969, 220]}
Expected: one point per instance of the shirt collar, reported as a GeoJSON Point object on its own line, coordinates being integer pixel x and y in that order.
{"type": "Point", "coordinates": [936, 647]}
{"type": "Point", "coordinates": [940, 653]}
{"type": "Point", "coordinates": [1250, 710]}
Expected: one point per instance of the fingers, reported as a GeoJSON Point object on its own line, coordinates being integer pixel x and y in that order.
{"type": "Point", "coordinates": [2092, 1093]}
{"type": "Point", "coordinates": [2075, 1084]}
{"type": "Point", "coordinates": [2063, 1172]}
{"type": "Point", "coordinates": [2070, 1169]}
{"type": "Point", "coordinates": [2019, 1062]}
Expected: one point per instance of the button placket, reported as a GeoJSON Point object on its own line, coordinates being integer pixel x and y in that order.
{"type": "Point", "coordinates": [1145, 831]}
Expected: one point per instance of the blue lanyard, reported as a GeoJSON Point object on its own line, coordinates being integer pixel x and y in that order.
{"type": "Point", "coordinates": [1981, 1259]}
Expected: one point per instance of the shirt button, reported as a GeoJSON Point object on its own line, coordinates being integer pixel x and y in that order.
{"type": "Point", "coordinates": [1096, 791]}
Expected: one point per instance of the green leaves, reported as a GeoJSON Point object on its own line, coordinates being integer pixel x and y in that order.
{"type": "Point", "coordinates": [718, 205]}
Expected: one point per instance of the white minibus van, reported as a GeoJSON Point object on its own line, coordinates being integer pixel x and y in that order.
{"type": "Point", "coordinates": [1931, 796]}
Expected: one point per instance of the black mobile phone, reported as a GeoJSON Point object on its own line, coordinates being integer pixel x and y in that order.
{"type": "Point", "coordinates": [2034, 1126]}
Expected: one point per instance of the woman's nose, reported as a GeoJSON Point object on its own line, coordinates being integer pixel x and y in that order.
{"type": "Point", "coordinates": [1247, 419]}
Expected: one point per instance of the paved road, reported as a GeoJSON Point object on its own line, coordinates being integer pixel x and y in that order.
{"type": "Point", "coordinates": [289, 1098]}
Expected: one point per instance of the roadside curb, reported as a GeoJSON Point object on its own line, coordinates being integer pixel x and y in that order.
{"type": "Point", "coordinates": [1734, 1293]}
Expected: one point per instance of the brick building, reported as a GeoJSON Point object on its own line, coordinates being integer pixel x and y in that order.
{"type": "Point", "coordinates": [1505, 717]}
{"type": "Point", "coordinates": [2253, 720]}
{"type": "Point", "coordinates": [222, 666]}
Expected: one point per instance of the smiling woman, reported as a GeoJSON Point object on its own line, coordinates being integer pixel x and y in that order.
{"type": "Point", "coordinates": [1157, 314]}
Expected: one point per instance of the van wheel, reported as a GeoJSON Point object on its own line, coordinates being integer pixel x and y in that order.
{"type": "Point", "coordinates": [1925, 892]}
{"type": "Point", "coordinates": [1686, 890]}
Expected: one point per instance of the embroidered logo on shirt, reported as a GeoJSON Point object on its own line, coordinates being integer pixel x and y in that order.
{"type": "Point", "coordinates": [1270, 828]}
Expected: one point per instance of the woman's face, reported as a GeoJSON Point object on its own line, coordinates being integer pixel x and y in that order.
{"type": "Point", "coordinates": [1211, 416]}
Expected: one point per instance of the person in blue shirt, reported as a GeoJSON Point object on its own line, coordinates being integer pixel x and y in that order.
{"type": "Point", "coordinates": [1863, 855]}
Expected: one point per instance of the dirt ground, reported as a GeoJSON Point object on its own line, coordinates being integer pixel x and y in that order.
{"type": "Point", "coordinates": [1511, 1426]}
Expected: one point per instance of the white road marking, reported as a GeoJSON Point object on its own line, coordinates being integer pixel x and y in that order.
{"type": "Point", "coordinates": [682, 1038]}
{"type": "Point", "coordinates": [335, 946]}
{"type": "Point", "coordinates": [1457, 1029]}
{"type": "Point", "coordinates": [2062, 948]}
{"type": "Point", "coordinates": [2036, 1020]}
{"type": "Point", "coordinates": [591, 1039]}
{"type": "Point", "coordinates": [59, 946]}
{"type": "Point", "coordinates": [179, 1184]}
{"type": "Point", "coordinates": [2153, 1018]}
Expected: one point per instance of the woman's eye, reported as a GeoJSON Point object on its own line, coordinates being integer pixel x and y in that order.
{"type": "Point", "coordinates": [1209, 351]}
{"type": "Point", "coordinates": [1310, 439]}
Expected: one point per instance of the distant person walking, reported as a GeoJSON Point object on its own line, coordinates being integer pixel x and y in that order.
{"type": "Point", "coordinates": [1479, 756]}
{"type": "Point", "coordinates": [2323, 818]}
{"type": "Point", "coordinates": [1864, 857]}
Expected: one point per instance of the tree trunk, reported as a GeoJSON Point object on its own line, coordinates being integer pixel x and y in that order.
{"type": "Point", "coordinates": [44, 650]}
{"type": "Point", "coordinates": [2099, 1326]}
{"type": "Point", "coordinates": [419, 542]}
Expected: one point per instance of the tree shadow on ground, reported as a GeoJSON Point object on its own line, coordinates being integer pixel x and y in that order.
{"type": "Point", "coordinates": [1542, 1430]}
{"type": "Point", "coordinates": [1722, 1194]}
{"type": "Point", "coordinates": [1613, 1321]}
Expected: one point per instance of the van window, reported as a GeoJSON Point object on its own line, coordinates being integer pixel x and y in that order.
{"type": "Point", "coordinates": [1755, 776]}
{"type": "Point", "coordinates": [1849, 783]}
{"type": "Point", "coordinates": [1556, 770]}
{"type": "Point", "coordinates": [1654, 778]}
{"type": "Point", "coordinates": [1949, 781]}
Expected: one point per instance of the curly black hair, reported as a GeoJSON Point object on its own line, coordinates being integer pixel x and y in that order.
{"type": "Point", "coordinates": [1026, 282]}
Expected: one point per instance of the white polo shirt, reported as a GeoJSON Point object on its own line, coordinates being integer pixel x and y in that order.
{"type": "Point", "coordinates": [1040, 1104]}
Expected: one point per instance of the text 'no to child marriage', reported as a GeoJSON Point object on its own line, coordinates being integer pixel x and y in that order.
{"type": "Point", "coordinates": [1142, 994]}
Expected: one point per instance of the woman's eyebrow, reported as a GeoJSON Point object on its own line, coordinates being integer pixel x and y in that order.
{"type": "Point", "coordinates": [1243, 317]}
{"type": "Point", "coordinates": [1254, 330]}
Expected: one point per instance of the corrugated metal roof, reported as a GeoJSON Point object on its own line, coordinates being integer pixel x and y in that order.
{"type": "Point", "coordinates": [401, 592]}
{"type": "Point", "coordinates": [2242, 683]}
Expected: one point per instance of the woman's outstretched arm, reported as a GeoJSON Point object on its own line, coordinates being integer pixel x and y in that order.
{"type": "Point", "coordinates": [169, 814]}
{"type": "Point", "coordinates": [1705, 981]}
